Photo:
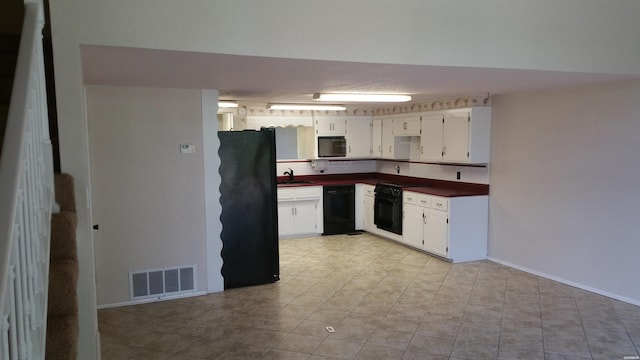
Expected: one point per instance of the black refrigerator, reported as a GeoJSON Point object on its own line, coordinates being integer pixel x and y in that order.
{"type": "Point", "coordinates": [248, 195]}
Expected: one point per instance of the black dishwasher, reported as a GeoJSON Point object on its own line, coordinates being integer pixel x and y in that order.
{"type": "Point", "coordinates": [339, 209]}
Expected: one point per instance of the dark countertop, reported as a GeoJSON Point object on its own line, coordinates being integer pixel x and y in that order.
{"type": "Point", "coordinates": [425, 186]}
{"type": "Point", "coordinates": [441, 191]}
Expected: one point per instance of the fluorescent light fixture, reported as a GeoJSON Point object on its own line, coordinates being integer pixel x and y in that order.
{"type": "Point", "coordinates": [227, 104]}
{"type": "Point", "coordinates": [362, 97]}
{"type": "Point", "coordinates": [305, 107]}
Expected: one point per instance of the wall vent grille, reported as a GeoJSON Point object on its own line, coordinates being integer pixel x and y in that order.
{"type": "Point", "coordinates": [157, 283]}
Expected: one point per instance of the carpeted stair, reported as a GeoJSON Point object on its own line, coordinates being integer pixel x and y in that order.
{"type": "Point", "coordinates": [62, 320]}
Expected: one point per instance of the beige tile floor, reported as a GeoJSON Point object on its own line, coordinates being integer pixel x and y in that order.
{"type": "Point", "coordinates": [385, 301]}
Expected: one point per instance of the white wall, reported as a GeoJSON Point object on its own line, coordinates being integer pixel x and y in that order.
{"type": "Point", "coordinates": [212, 207]}
{"type": "Point", "coordinates": [147, 196]}
{"type": "Point", "coordinates": [567, 35]}
{"type": "Point", "coordinates": [470, 174]}
{"type": "Point", "coordinates": [326, 167]}
{"type": "Point", "coordinates": [564, 185]}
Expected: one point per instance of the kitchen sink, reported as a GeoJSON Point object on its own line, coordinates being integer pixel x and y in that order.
{"type": "Point", "coordinates": [286, 182]}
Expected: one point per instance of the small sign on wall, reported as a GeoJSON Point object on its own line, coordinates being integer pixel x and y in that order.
{"type": "Point", "coordinates": [187, 148]}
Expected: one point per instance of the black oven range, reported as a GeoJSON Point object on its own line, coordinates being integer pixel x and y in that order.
{"type": "Point", "coordinates": [388, 207]}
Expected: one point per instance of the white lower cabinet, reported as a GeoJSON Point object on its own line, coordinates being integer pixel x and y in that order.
{"type": "Point", "coordinates": [411, 229]}
{"type": "Point", "coordinates": [299, 211]}
{"type": "Point", "coordinates": [453, 228]}
{"type": "Point", "coordinates": [368, 208]}
{"type": "Point", "coordinates": [436, 231]}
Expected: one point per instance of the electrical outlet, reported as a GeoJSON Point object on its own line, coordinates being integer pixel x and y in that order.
{"type": "Point", "coordinates": [458, 175]}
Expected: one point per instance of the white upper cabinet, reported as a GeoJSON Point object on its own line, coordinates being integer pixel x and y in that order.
{"type": "Point", "coordinates": [393, 147]}
{"type": "Point", "coordinates": [447, 136]}
{"type": "Point", "coordinates": [457, 136]}
{"type": "Point", "coordinates": [406, 125]}
{"type": "Point", "coordinates": [387, 139]}
{"type": "Point", "coordinates": [358, 135]}
{"type": "Point", "coordinates": [376, 138]}
{"type": "Point", "coordinates": [455, 141]}
{"type": "Point", "coordinates": [431, 138]}
{"type": "Point", "coordinates": [330, 125]}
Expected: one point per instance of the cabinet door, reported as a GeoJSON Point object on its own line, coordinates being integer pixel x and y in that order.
{"type": "Point", "coordinates": [328, 125]}
{"type": "Point", "coordinates": [412, 223]}
{"type": "Point", "coordinates": [339, 126]}
{"type": "Point", "coordinates": [376, 138]}
{"type": "Point", "coordinates": [358, 138]}
{"type": "Point", "coordinates": [456, 137]}
{"type": "Point", "coordinates": [387, 139]}
{"type": "Point", "coordinates": [305, 217]}
{"type": "Point", "coordinates": [406, 126]}
{"type": "Point", "coordinates": [285, 218]}
{"type": "Point", "coordinates": [436, 232]}
{"type": "Point", "coordinates": [323, 126]}
{"type": "Point", "coordinates": [368, 208]}
{"type": "Point", "coordinates": [431, 138]}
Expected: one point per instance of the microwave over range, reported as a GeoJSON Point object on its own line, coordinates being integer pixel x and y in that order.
{"type": "Point", "coordinates": [332, 146]}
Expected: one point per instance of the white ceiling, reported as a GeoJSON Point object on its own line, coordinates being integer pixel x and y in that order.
{"type": "Point", "coordinates": [257, 80]}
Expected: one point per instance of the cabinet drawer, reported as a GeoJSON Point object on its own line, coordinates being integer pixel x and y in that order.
{"type": "Point", "coordinates": [308, 192]}
{"type": "Point", "coordinates": [424, 201]}
{"type": "Point", "coordinates": [440, 203]}
{"type": "Point", "coordinates": [409, 197]}
{"type": "Point", "coordinates": [285, 194]}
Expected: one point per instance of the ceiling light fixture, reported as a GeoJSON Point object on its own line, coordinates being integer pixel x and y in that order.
{"type": "Point", "coordinates": [227, 104]}
{"type": "Point", "coordinates": [362, 97]}
{"type": "Point", "coordinates": [305, 107]}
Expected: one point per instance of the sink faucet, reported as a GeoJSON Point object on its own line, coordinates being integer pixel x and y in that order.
{"type": "Point", "coordinates": [290, 173]}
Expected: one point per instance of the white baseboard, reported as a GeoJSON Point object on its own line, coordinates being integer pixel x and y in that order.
{"type": "Point", "coordinates": [99, 350]}
{"type": "Point", "coordinates": [146, 301]}
{"type": "Point", "coordinates": [567, 282]}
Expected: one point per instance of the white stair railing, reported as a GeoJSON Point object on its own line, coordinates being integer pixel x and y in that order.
{"type": "Point", "coordinates": [26, 199]}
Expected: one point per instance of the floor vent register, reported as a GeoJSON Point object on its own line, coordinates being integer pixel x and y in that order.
{"type": "Point", "coordinates": [158, 283]}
